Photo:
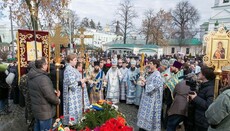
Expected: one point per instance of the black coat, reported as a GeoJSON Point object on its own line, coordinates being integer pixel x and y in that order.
{"type": "Point", "coordinates": [203, 100]}
{"type": "Point", "coordinates": [3, 86]}
{"type": "Point", "coordinates": [43, 98]}
{"type": "Point", "coordinates": [53, 78]}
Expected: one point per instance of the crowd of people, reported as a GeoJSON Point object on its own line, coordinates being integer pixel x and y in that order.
{"type": "Point", "coordinates": [167, 92]}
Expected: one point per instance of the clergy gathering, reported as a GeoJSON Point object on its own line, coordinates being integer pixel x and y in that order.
{"type": "Point", "coordinates": [151, 66]}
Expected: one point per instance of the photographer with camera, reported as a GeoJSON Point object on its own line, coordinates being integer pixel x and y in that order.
{"type": "Point", "coordinates": [178, 111]}
{"type": "Point", "coordinates": [203, 98]}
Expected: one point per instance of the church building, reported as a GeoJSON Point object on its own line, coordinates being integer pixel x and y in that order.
{"type": "Point", "coordinates": [220, 14]}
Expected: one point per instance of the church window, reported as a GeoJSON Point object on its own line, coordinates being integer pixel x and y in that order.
{"type": "Point", "coordinates": [187, 50]}
{"type": "Point", "coordinates": [226, 1]}
{"type": "Point", "coordinates": [173, 50]}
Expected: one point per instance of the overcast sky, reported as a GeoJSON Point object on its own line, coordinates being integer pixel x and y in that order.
{"type": "Point", "coordinates": [104, 10]}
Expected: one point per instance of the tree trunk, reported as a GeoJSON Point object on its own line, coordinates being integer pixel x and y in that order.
{"type": "Point", "coordinates": [33, 14]}
{"type": "Point", "coordinates": [147, 39]}
{"type": "Point", "coordinates": [34, 22]}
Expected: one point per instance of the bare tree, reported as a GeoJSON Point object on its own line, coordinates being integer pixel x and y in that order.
{"type": "Point", "coordinates": [126, 14]}
{"type": "Point", "coordinates": [147, 23]}
{"type": "Point", "coordinates": [29, 13]}
{"type": "Point", "coordinates": [70, 24]}
{"type": "Point", "coordinates": [1, 11]}
{"type": "Point", "coordinates": [185, 17]}
{"type": "Point", "coordinates": [157, 27]}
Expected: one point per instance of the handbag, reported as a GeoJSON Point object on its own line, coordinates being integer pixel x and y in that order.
{"type": "Point", "coordinates": [10, 78]}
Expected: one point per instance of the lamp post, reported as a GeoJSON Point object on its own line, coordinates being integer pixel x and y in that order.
{"type": "Point", "coordinates": [33, 22]}
{"type": "Point", "coordinates": [70, 32]}
{"type": "Point", "coordinates": [12, 33]}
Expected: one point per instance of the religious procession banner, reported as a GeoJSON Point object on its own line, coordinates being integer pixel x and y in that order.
{"type": "Point", "coordinates": [27, 47]}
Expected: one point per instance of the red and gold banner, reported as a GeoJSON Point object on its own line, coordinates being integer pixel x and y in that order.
{"type": "Point", "coordinates": [27, 47]}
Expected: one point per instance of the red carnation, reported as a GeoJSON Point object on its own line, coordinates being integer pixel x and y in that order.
{"type": "Point", "coordinates": [71, 119]}
{"type": "Point", "coordinates": [165, 75]}
{"type": "Point", "coordinates": [61, 117]}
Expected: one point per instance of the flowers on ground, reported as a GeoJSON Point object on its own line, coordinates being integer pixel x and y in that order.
{"type": "Point", "coordinates": [101, 116]}
{"type": "Point", "coordinates": [58, 126]}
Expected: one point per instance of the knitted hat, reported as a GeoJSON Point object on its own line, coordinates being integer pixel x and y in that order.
{"type": "Point", "coordinates": [177, 64]}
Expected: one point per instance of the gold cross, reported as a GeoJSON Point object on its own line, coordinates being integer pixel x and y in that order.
{"type": "Point", "coordinates": [82, 37]}
{"type": "Point", "coordinates": [59, 40]}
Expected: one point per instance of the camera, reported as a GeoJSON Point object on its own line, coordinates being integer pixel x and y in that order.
{"type": "Point", "coordinates": [190, 81]}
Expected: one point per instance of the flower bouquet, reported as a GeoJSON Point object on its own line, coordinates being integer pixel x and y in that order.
{"type": "Point", "coordinates": [103, 116]}
{"type": "Point", "coordinates": [58, 126]}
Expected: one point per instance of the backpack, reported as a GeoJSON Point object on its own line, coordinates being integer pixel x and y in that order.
{"type": "Point", "coordinates": [23, 85]}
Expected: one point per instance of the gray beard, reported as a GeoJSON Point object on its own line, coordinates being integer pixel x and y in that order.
{"type": "Point", "coordinates": [114, 68]}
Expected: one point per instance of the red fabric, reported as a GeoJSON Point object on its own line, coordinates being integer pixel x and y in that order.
{"type": "Point", "coordinates": [108, 65]}
{"type": "Point", "coordinates": [25, 36]}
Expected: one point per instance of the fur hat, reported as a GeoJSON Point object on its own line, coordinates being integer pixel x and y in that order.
{"type": "Point", "coordinates": [177, 64]}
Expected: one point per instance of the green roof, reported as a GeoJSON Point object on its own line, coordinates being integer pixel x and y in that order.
{"type": "Point", "coordinates": [141, 43]}
{"type": "Point", "coordinates": [185, 42]}
{"type": "Point", "coordinates": [150, 46]}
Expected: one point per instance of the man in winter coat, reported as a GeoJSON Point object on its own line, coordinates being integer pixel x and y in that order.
{"type": "Point", "coordinates": [203, 98]}
{"type": "Point", "coordinates": [218, 113]}
{"type": "Point", "coordinates": [42, 94]}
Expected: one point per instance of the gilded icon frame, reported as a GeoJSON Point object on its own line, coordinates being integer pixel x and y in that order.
{"type": "Point", "coordinates": [212, 41]}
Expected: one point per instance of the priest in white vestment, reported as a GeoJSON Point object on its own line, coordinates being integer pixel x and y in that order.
{"type": "Point", "coordinates": [113, 77]}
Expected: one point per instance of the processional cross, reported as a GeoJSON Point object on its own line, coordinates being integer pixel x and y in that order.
{"type": "Point", "coordinates": [82, 49]}
{"type": "Point", "coordinates": [58, 40]}
{"type": "Point", "coordinates": [82, 37]}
